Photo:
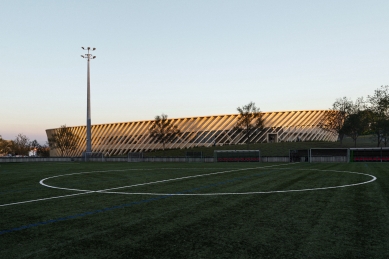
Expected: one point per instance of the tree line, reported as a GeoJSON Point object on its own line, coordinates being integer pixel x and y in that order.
{"type": "Point", "coordinates": [21, 146]}
{"type": "Point", "coordinates": [363, 116]}
{"type": "Point", "coordinates": [63, 139]}
{"type": "Point", "coordinates": [368, 115]}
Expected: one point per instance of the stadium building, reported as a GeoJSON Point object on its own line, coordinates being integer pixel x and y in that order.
{"type": "Point", "coordinates": [121, 138]}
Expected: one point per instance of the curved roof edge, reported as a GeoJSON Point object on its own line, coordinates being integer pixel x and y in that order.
{"type": "Point", "coordinates": [190, 117]}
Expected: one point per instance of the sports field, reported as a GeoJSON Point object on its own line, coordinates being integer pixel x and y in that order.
{"type": "Point", "coordinates": [194, 210]}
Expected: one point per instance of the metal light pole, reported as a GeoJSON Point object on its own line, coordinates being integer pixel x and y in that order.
{"type": "Point", "coordinates": [88, 115]}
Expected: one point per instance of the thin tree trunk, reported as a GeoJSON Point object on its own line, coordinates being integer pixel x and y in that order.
{"type": "Point", "coordinates": [341, 139]}
{"type": "Point", "coordinates": [248, 140]}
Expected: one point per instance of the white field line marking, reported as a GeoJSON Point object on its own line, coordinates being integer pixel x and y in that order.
{"type": "Point", "coordinates": [142, 184]}
{"type": "Point", "coordinates": [62, 196]}
{"type": "Point", "coordinates": [102, 191]}
{"type": "Point", "coordinates": [78, 190]}
{"type": "Point", "coordinates": [44, 199]}
{"type": "Point", "coordinates": [246, 193]}
{"type": "Point", "coordinates": [236, 170]}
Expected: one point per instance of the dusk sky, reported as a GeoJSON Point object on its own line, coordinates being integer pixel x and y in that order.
{"type": "Point", "coordinates": [183, 58]}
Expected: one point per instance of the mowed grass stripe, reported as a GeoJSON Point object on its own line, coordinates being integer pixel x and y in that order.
{"type": "Point", "coordinates": [248, 186]}
{"type": "Point", "coordinates": [36, 191]}
{"type": "Point", "coordinates": [280, 225]}
{"type": "Point", "coordinates": [112, 179]}
{"type": "Point", "coordinates": [235, 222]}
{"type": "Point", "coordinates": [88, 213]}
{"type": "Point", "coordinates": [341, 227]}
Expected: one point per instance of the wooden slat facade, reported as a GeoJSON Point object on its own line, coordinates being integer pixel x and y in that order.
{"type": "Point", "coordinates": [121, 138]}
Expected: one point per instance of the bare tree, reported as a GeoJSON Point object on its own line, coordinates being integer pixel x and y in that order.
{"type": "Point", "coordinates": [334, 120]}
{"type": "Point", "coordinates": [385, 131]}
{"type": "Point", "coordinates": [163, 130]}
{"type": "Point", "coordinates": [356, 124]}
{"type": "Point", "coordinates": [44, 150]}
{"type": "Point", "coordinates": [379, 106]}
{"type": "Point", "coordinates": [21, 145]}
{"type": "Point", "coordinates": [64, 140]}
{"type": "Point", "coordinates": [40, 150]}
{"type": "Point", "coordinates": [249, 121]}
{"type": "Point", "coordinates": [5, 146]}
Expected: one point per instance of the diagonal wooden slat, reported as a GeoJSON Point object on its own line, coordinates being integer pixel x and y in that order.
{"type": "Point", "coordinates": [121, 138]}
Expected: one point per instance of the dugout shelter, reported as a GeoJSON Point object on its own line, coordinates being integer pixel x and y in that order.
{"type": "Point", "coordinates": [379, 154]}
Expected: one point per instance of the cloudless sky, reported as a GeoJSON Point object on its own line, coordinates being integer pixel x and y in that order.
{"type": "Point", "coordinates": [183, 58]}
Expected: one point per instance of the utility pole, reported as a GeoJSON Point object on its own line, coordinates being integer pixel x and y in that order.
{"type": "Point", "coordinates": [88, 115]}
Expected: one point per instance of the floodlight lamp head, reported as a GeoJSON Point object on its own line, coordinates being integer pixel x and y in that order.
{"type": "Point", "coordinates": [82, 56]}
{"type": "Point", "coordinates": [94, 48]}
{"type": "Point", "coordinates": [94, 57]}
{"type": "Point", "coordinates": [88, 48]}
{"type": "Point", "coordinates": [82, 47]}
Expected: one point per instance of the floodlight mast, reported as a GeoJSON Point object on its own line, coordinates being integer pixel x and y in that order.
{"type": "Point", "coordinates": [88, 113]}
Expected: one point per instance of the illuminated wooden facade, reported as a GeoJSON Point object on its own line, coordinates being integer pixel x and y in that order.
{"type": "Point", "coordinates": [121, 138]}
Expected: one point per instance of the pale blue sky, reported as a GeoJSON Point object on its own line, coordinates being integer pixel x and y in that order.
{"type": "Point", "coordinates": [183, 58]}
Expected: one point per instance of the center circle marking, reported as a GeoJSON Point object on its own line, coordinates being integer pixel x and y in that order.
{"type": "Point", "coordinates": [109, 191]}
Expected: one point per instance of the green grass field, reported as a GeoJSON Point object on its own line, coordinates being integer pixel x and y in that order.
{"type": "Point", "coordinates": [194, 210]}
